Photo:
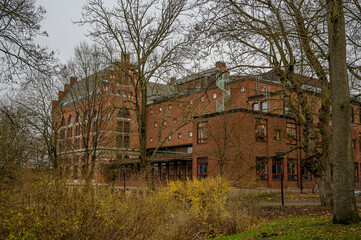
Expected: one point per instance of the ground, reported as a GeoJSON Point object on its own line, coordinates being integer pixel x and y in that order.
{"type": "Point", "coordinates": [302, 217]}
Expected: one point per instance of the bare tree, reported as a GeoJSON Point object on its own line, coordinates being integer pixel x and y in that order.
{"type": "Point", "coordinates": [153, 32]}
{"type": "Point", "coordinates": [345, 211]}
{"type": "Point", "coordinates": [287, 38]}
{"type": "Point", "coordinates": [83, 114]}
{"type": "Point", "coordinates": [19, 25]}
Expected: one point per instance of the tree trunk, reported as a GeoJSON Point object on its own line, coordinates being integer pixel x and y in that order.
{"type": "Point", "coordinates": [325, 190]}
{"type": "Point", "coordinates": [345, 210]}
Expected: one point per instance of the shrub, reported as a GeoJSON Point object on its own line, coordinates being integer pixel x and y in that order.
{"type": "Point", "coordinates": [44, 207]}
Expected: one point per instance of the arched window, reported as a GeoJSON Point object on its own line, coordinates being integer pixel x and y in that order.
{"type": "Point", "coordinates": [78, 118]}
{"type": "Point", "coordinates": [123, 113]}
{"type": "Point", "coordinates": [70, 121]}
{"type": "Point", "coordinates": [63, 122]}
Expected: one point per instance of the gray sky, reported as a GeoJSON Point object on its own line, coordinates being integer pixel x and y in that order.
{"type": "Point", "coordinates": [63, 34]}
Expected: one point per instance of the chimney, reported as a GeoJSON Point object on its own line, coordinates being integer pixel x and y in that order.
{"type": "Point", "coordinates": [172, 80]}
{"type": "Point", "coordinates": [61, 95]}
{"type": "Point", "coordinates": [221, 67]}
{"type": "Point", "coordinates": [72, 80]}
{"type": "Point", "coordinates": [54, 103]}
{"type": "Point", "coordinates": [66, 87]}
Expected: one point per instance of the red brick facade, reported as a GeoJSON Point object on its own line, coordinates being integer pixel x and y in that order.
{"type": "Point", "coordinates": [239, 128]}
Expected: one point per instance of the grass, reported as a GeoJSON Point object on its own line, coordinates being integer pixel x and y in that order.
{"type": "Point", "coordinates": [304, 227]}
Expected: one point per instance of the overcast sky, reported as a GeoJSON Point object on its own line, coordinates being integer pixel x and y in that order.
{"type": "Point", "coordinates": [63, 34]}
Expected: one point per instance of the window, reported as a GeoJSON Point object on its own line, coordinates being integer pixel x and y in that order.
{"type": "Point", "coordinates": [163, 171]}
{"type": "Point", "coordinates": [276, 168]}
{"type": "Point", "coordinates": [164, 123]}
{"type": "Point", "coordinates": [62, 122]}
{"type": "Point", "coordinates": [179, 135]}
{"type": "Point", "coordinates": [189, 170]}
{"type": "Point", "coordinates": [174, 121]}
{"type": "Point", "coordinates": [261, 130]}
{"type": "Point", "coordinates": [151, 140]}
{"type": "Point", "coordinates": [255, 106]}
{"type": "Point", "coordinates": [160, 109]}
{"type": "Point", "coordinates": [77, 118]}
{"type": "Point", "coordinates": [190, 134]}
{"type": "Point", "coordinates": [264, 106]}
{"type": "Point", "coordinates": [70, 122]}
{"type": "Point", "coordinates": [291, 133]}
{"type": "Point", "coordinates": [122, 141]}
{"type": "Point", "coordinates": [292, 169]}
{"type": "Point", "coordinates": [277, 134]}
{"type": "Point", "coordinates": [306, 174]}
{"type": "Point", "coordinates": [180, 170]}
{"type": "Point", "coordinates": [171, 171]}
{"type": "Point", "coordinates": [70, 132]}
{"type": "Point", "coordinates": [202, 99]}
{"type": "Point", "coordinates": [191, 101]}
{"type": "Point", "coordinates": [123, 127]}
{"type": "Point", "coordinates": [202, 135]}
{"type": "Point", "coordinates": [261, 168]}
{"type": "Point", "coordinates": [199, 87]}
{"type": "Point", "coordinates": [352, 115]}
{"type": "Point", "coordinates": [123, 113]}
{"type": "Point", "coordinates": [170, 107]}
{"type": "Point", "coordinates": [169, 138]}
{"type": "Point", "coordinates": [286, 110]}
{"type": "Point", "coordinates": [214, 95]}
{"type": "Point", "coordinates": [356, 172]}
{"type": "Point", "coordinates": [156, 171]}
{"type": "Point", "coordinates": [202, 167]}
{"type": "Point", "coordinates": [151, 111]}
{"type": "Point", "coordinates": [155, 124]}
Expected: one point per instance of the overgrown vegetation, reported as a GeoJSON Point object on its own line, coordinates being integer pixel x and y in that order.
{"type": "Point", "coordinates": [41, 206]}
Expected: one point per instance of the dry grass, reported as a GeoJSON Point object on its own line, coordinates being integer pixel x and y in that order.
{"type": "Point", "coordinates": [41, 206]}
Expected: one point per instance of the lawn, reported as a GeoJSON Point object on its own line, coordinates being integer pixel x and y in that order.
{"type": "Point", "coordinates": [302, 227]}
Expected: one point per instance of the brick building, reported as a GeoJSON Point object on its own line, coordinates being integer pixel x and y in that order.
{"type": "Point", "coordinates": [206, 124]}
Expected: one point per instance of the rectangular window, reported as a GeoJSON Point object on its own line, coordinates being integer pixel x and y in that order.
{"type": "Point", "coordinates": [292, 169]}
{"type": "Point", "coordinates": [156, 171]}
{"type": "Point", "coordinates": [202, 132]}
{"type": "Point", "coordinates": [189, 170]}
{"type": "Point", "coordinates": [356, 172]}
{"type": "Point", "coordinates": [255, 106]}
{"type": "Point", "coordinates": [179, 171]}
{"type": "Point", "coordinates": [276, 168]}
{"type": "Point", "coordinates": [261, 168]}
{"type": "Point", "coordinates": [214, 95]}
{"type": "Point", "coordinates": [202, 167]}
{"type": "Point", "coordinates": [291, 133]}
{"type": "Point", "coordinates": [261, 130]}
{"type": "Point", "coordinates": [264, 106]}
{"type": "Point", "coordinates": [126, 141]}
{"type": "Point", "coordinates": [286, 110]}
{"type": "Point", "coordinates": [190, 134]}
{"type": "Point", "coordinates": [306, 174]}
{"type": "Point", "coordinates": [242, 88]}
{"type": "Point", "coordinates": [171, 171]}
{"type": "Point", "coordinates": [179, 135]}
{"type": "Point", "coordinates": [163, 172]}
{"type": "Point", "coordinates": [277, 134]}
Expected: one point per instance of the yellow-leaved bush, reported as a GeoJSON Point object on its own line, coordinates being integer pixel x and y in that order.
{"type": "Point", "coordinates": [43, 206]}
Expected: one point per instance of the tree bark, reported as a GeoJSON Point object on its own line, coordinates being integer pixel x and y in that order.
{"type": "Point", "coordinates": [345, 211]}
